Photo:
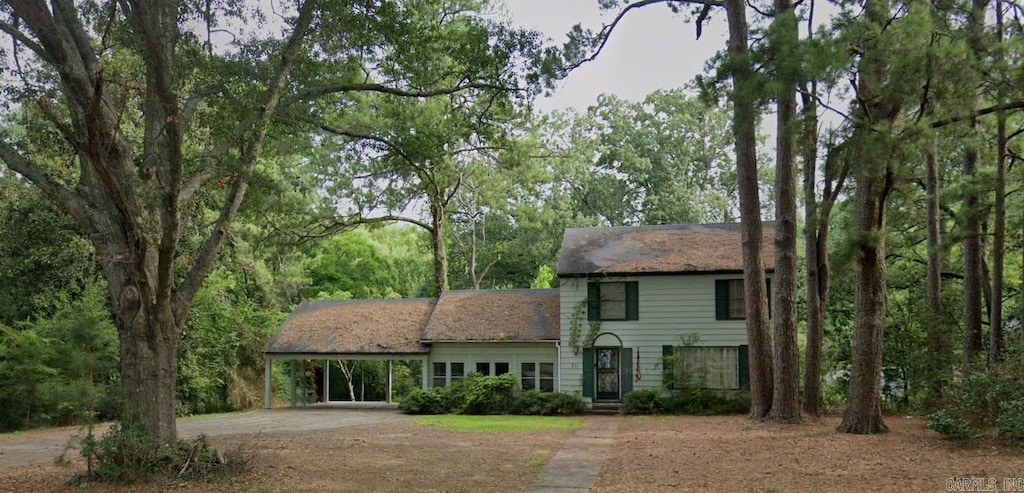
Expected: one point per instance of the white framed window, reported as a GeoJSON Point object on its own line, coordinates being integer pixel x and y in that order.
{"type": "Point", "coordinates": [538, 376]}
{"type": "Point", "coordinates": [447, 373]}
{"type": "Point", "coordinates": [487, 368]}
{"type": "Point", "coordinates": [710, 367]}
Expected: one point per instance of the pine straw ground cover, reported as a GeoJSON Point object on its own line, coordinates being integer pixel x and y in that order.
{"type": "Point", "coordinates": [654, 454]}
{"type": "Point", "coordinates": [649, 454]}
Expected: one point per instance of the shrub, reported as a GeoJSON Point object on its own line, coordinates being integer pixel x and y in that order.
{"type": "Point", "coordinates": [127, 454]}
{"type": "Point", "coordinates": [486, 394]}
{"type": "Point", "coordinates": [438, 400]}
{"type": "Point", "coordinates": [1010, 423]}
{"type": "Point", "coordinates": [706, 402]}
{"type": "Point", "coordinates": [536, 403]}
{"type": "Point", "coordinates": [646, 401]}
{"type": "Point", "coordinates": [951, 425]}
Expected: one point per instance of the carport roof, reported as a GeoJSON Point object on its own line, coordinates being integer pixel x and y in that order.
{"type": "Point", "coordinates": [661, 249]}
{"type": "Point", "coordinates": [507, 315]}
{"type": "Point", "coordinates": [354, 327]}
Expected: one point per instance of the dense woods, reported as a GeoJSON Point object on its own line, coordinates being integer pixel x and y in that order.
{"type": "Point", "coordinates": [167, 196]}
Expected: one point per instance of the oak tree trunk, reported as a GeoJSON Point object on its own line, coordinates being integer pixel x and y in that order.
{"type": "Point", "coordinates": [437, 236]}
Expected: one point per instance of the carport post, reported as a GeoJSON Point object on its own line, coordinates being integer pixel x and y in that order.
{"type": "Point", "coordinates": [327, 381]}
{"type": "Point", "coordinates": [389, 381]}
{"type": "Point", "coordinates": [267, 371]}
{"type": "Point", "coordinates": [423, 373]}
{"type": "Point", "coordinates": [294, 364]}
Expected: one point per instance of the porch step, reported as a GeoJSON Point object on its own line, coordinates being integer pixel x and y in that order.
{"type": "Point", "coordinates": [606, 408]}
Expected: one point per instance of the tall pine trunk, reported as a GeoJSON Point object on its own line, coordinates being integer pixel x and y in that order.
{"type": "Point", "coordinates": [871, 142]}
{"type": "Point", "coordinates": [937, 346]}
{"type": "Point", "coordinates": [971, 217]}
{"type": "Point", "coordinates": [785, 352]}
{"type": "Point", "coordinates": [995, 346]}
{"type": "Point", "coordinates": [754, 290]}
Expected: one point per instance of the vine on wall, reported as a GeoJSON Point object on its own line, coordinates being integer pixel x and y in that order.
{"type": "Point", "coordinates": [576, 328]}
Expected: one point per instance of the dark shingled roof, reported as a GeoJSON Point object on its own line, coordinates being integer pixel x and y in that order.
{"type": "Point", "coordinates": [354, 327]}
{"type": "Point", "coordinates": [664, 249]}
{"type": "Point", "coordinates": [514, 315]}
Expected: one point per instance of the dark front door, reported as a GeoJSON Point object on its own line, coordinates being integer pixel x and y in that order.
{"type": "Point", "coordinates": [608, 374]}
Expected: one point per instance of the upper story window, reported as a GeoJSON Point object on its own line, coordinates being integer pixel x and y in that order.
{"type": "Point", "coordinates": [613, 301]}
{"type": "Point", "coordinates": [729, 299]}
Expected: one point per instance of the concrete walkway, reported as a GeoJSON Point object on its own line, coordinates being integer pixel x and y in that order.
{"type": "Point", "coordinates": [576, 465]}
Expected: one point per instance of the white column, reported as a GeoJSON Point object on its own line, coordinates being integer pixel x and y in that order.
{"type": "Point", "coordinates": [327, 381]}
{"type": "Point", "coordinates": [292, 378]}
{"type": "Point", "coordinates": [389, 381]}
{"type": "Point", "coordinates": [424, 373]}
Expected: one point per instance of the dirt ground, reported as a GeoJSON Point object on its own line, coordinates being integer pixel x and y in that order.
{"type": "Point", "coordinates": [335, 451]}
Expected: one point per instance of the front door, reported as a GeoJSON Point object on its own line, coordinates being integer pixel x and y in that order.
{"type": "Point", "coordinates": [608, 373]}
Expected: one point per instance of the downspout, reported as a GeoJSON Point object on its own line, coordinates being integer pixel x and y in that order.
{"type": "Point", "coordinates": [558, 366]}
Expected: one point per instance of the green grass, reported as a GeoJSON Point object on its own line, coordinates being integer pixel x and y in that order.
{"type": "Point", "coordinates": [501, 424]}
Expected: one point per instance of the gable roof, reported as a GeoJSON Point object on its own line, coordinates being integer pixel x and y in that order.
{"type": "Point", "coordinates": [354, 327]}
{"type": "Point", "coordinates": [512, 315]}
{"type": "Point", "coordinates": [662, 249]}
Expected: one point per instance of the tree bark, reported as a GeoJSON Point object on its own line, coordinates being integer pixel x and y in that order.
{"type": "Point", "coordinates": [437, 233]}
{"type": "Point", "coordinates": [937, 346]}
{"type": "Point", "coordinates": [995, 346]}
{"type": "Point", "coordinates": [971, 216]}
{"type": "Point", "coordinates": [128, 199]}
{"type": "Point", "coordinates": [872, 142]}
{"type": "Point", "coordinates": [785, 351]}
{"type": "Point", "coordinates": [754, 291]}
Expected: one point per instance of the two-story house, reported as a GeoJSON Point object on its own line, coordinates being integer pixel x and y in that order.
{"type": "Point", "coordinates": [630, 296]}
{"type": "Point", "coordinates": [627, 298]}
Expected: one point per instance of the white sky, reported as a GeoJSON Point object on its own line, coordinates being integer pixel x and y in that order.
{"type": "Point", "coordinates": [650, 49]}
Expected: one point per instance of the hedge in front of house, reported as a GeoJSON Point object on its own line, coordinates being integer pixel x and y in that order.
{"type": "Point", "coordinates": [500, 394]}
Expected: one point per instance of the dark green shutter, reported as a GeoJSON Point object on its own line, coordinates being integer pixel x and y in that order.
{"type": "Point", "coordinates": [721, 299]}
{"type": "Point", "coordinates": [632, 301]}
{"type": "Point", "coordinates": [744, 362]}
{"type": "Point", "coordinates": [593, 301]}
{"type": "Point", "coordinates": [667, 364]}
{"type": "Point", "coordinates": [588, 372]}
{"type": "Point", "coordinates": [768, 286]}
{"type": "Point", "coordinates": [626, 372]}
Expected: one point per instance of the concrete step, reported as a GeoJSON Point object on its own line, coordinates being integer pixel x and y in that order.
{"type": "Point", "coordinates": [606, 408]}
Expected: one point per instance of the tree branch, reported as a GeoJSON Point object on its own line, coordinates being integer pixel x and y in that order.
{"type": "Point", "coordinates": [394, 91]}
{"type": "Point", "coordinates": [275, 88]}
{"type": "Point", "coordinates": [606, 31]}
{"type": "Point", "coordinates": [25, 40]}
{"type": "Point", "coordinates": [1015, 105]}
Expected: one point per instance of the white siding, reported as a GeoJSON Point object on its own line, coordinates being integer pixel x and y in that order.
{"type": "Point", "coordinates": [512, 353]}
{"type": "Point", "coordinates": [669, 307]}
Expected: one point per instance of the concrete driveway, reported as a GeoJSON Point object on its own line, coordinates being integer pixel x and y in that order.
{"type": "Point", "coordinates": [43, 446]}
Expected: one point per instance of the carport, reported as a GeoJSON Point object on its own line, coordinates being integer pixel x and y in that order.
{"type": "Point", "coordinates": [319, 330]}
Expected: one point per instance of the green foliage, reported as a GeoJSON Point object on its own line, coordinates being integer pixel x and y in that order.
{"type": "Point", "coordinates": [644, 401]}
{"type": "Point", "coordinates": [220, 354]}
{"type": "Point", "coordinates": [502, 424]}
{"type": "Point", "coordinates": [349, 266]}
{"type": "Point", "coordinates": [44, 262]}
{"type": "Point", "coordinates": [125, 455]}
{"type": "Point", "coordinates": [61, 369]}
{"type": "Point", "coordinates": [487, 394]}
{"type": "Point", "coordinates": [950, 425]}
{"type": "Point", "coordinates": [497, 394]}
{"type": "Point", "coordinates": [985, 400]}
{"type": "Point", "coordinates": [537, 403]}
{"type": "Point", "coordinates": [437, 400]}
{"type": "Point", "coordinates": [1010, 423]}
{"type": "Point", "coordinates": [705, 402]}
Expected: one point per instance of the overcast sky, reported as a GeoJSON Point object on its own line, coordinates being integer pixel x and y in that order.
{"type": "Point", "coordinates": [651, 49]}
